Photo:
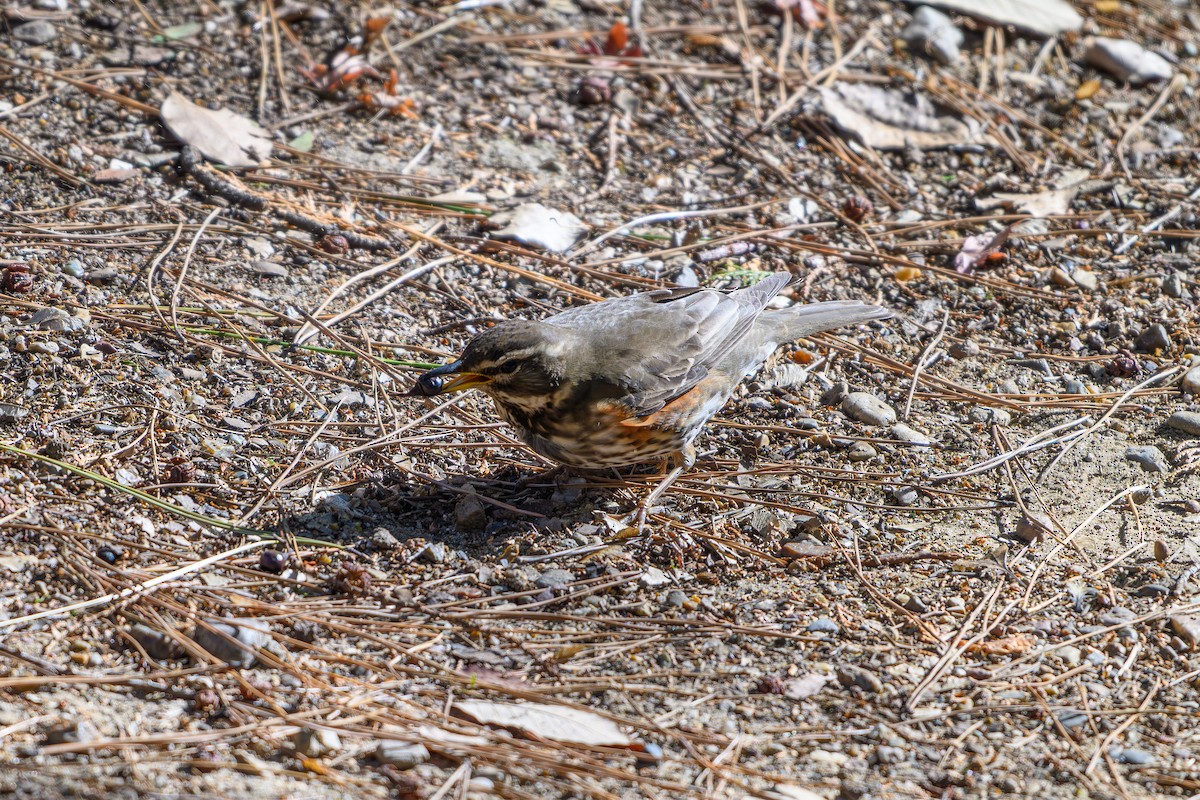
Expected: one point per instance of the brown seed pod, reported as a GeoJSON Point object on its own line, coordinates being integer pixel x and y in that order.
{"type": "Point", "coordinates": [180, 469]}
{"type": "Point", "coordinates": [333, 243]}
{"type": "Point", "coordinates": [18, 279]}
{"type": "Point", "coordinates": [857, 208]}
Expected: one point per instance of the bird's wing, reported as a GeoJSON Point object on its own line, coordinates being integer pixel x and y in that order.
{"type": "Point", "coordinates": [657, 345]}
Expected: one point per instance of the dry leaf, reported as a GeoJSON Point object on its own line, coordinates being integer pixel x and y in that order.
{"type": "Point", "coordinates": [886, 119]}
{"type": "Point", "coordinates": [1043, 17]}
{"type": "Point", "coordinates": [540, 226]}
{"type": "Point", "coordinates": [544, 721]}
{"type": "Point", "coordinates": [1049, 202]}
{"type": "Point", "coordinates": [978, 249]}
{"type": "Point", "coordinates": [805, 686]}
{"type": "Point", "coordinates": [1008, 646]}
{"type": "Point", "coordinates": [222, 136]}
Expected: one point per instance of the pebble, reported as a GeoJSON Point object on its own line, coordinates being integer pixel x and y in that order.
{"type": "Point", "coordinates": [1187, 628]}
{"type": "Point", "coordinates": [676, 598]}
{"type": "Point", "coordinates": [849, 675]}
{"type": "Point", "coordinates": [1085, 279]}
{"type": "Point", "coordinates": [1131, 755]}
{"type": "Point", "coordinates": [1073, 386]}
{"type": "Point", "coordinates": [44, 347]}
{"type": "Point", "coordinates": [157, 644]}
{"type": "Point", "coordinates": [74, 268]}
{"type": "Point", "coordinates": [861, 451]}
{"type": "Point", "coordinates": [835, 394]}
{"type": "Point", "coordinates": [315, 743]}
{"type": "Point", "coordinates": [986, 415]}
{"type": "Point", "coordinates": [1127, 61]}
{"type": "Point", "coordinates": [823, 625]}
{"type": "Point", "coordinates": [904, 433]}
{"type": "Point", "coordinates": [1150, 458]}
{"type": "Point", "coordinates": [250, 635]}
{"type": "Point", "coordinates": [1191, 382]}
{"type": "Point", "coordinates": [905, 495]}
{"type": "Point", "coordinates": [554, 579]}
{"type": "Point", "coordinates": [933, 34]}
{"type": "Point", "coordinates": [37, 32]}
{"type": "Point", "coordinates": [80, 732]}
{"type": "Point", "coordinates": [1152, 339]}
{"type": "Point", "coordinates": [401, 755]}
{"type": "Point", "coordinates": [868, 409]}
{"type": "Point", "coordinates": [383, 539]}
{"type": "Point", "coordinates": [1186, 421]}
{"type": "Point", "coordinates": [1070, 654]}
{"type": "Point", "coordinates": [1173, 286]}
{"type": "Point", "coordinates": [1033, 526]}
{"type": "Point", "coordinates": [469, 514]}
{"type": "Point", "coordinates": [965, 349]}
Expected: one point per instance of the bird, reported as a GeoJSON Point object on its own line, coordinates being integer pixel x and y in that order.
{"type": "Point", "coordinates": [634, 379]}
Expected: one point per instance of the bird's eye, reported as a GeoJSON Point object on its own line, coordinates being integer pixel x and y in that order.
{"type": "Point", "coordinates": [508, 367]}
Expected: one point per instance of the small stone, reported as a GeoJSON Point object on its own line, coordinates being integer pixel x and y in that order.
{"type": "Point", "coordinates": [554, 579]}
{"type": "Point", "coordinates": [849, 675]}
{"type": "Point", "coordinates": [932, 33]}
{"type": "Point", "coordinates": [1191, 382]}
{"type": "Point", "coordinates": [384, 540]}
{"type": "Point", "coordinates": [964, 349]}
{"type": "Point", "coordinates": [904, 433]}
{"type": "Point", "coordinates": [1150, 458]}
{"type": "Point", "coordinates": [835, 394]}
{"type": "Point", "coordinates": [913, 603]}
{"type": "Point", "coordinates": [906, 495]}
{"type": "Point", "coordinates": [248, 634]}
{"type": "Point", "coordinates": [315, 743]}
{"type": "Point", "coordinates": [676, 598]}
{"type": "Point", "coordinates": [1060, 277]}
{"type": "Point", "coordinates": [37, 32]}
{"type": "Point", "coordinates": [1085, 279]}
{"type": "Point", "coordinates": [79, 732]}
{"type": "Point", "coordinates": [1185, 421]}
{"type": "Point", "coordinates": [823, 625]}
{"type": "Point", "coordinates": [861, 451]}
{"type": "Point", "coordinates": [1152, 339]}
{"type": "Point", "coordinates": [1187, 628]}
{"type": "Point", "coordinates": [1033, 527]}
{"type": "Point", "coordinates": [1073, 386]}
{"type": "Point", "coordinates": [1131, 755]}
{"type": "Point", "coordinates": [653, 577]}
{"type": "Point", "coordinates": [401, 755]}
{"type": "Point", "coordinates": [268, 269]}
{"type": "Point", "coordinates": [868, 409]}
{"type": "Point", "coordinates": [1070, 654]}
{"type": "Point", "coordinates": [157, 644]}
{"type": "Point", "coordinates": [469, 514]}
{"type": "Point", "coordinates": [1173, 286]}
{"type": "Point", "coordinates": [1126, 60]}
{"type": "Point", "coordinates": [45, 347]}
{"type": "Point", "coordinates": [433, 553]}
{"type": "Point", "coordinates": [986, 415]}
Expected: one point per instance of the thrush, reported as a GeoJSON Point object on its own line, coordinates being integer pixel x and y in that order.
{"type": "Point", "coordinates": [633, 380]}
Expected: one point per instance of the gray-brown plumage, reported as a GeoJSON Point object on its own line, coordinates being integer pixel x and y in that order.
{"type": "Point", "coordinates": [633, 379]}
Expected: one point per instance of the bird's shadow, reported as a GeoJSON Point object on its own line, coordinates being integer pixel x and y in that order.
{"type": "Point", "coordinates": [389, 510]}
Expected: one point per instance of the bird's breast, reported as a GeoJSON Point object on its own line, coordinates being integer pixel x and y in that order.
{"type": "Point", "coordinates": [593, 434]}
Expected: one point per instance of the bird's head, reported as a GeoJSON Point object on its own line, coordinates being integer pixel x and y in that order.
{"type": "Point", "coordinates": [516, 362]}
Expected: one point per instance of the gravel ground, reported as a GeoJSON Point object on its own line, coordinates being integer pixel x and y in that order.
{"type": "Point", "coordinates": [951, 554]}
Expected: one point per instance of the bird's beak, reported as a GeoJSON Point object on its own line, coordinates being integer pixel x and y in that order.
{"type": "Point", "coordinates": [445, 379]}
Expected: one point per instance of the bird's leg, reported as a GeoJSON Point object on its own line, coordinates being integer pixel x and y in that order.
{"type": "Point", "coordinates": [552, 474]}
{"type": "Point", "coordinates": [680, 463]}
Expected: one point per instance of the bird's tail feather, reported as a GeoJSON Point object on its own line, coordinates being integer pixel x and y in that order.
{"type": "Point", "coordinates": [800, 321]}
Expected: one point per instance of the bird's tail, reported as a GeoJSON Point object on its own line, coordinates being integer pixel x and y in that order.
{"type": "Point", "coordinates": [789, 324]}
